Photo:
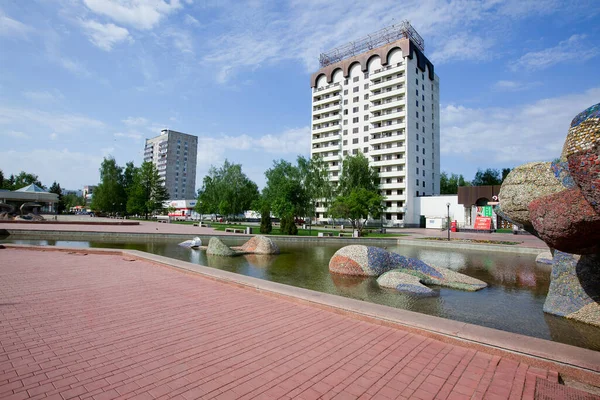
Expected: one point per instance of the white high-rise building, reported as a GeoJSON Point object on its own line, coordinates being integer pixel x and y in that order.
{"type": "Point", "coordinates": [174, 154]}
{"type": "Point", "coordinates": [380, 96]}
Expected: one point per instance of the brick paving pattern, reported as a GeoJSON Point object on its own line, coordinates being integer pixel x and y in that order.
{"type": "Point", "coordinates": [76, 326]}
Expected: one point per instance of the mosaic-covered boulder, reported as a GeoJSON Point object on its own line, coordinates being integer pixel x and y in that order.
{"type": "Point", "coordinates": [404, 283]}
{"type": "Point", "coordinates": [217, 248]}
{"type": "Point", "coordinates": [544, 258]}
{"type": "Point", "coordinates": [575, 287]}
{"type": "Point", "coordinates": [524, 184]}
{"type": "Point", "coordinates": [567, 222]}
{"type": "Point", "coordinates": [360, 260]}
{"type": "Point", "coordinates": [260, 245]}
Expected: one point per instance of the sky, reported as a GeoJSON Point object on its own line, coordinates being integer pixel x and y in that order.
{"type": "Point", "coordinates": [81, 80]}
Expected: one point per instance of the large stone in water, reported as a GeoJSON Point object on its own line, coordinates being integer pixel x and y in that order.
{"type": "Point", "coordinates": [260, 245]}
{"type": "Point", "coordinates": [217, 248]}
{"type": "Point", "coordinates": [404, 283]}
{"type": "Point", "coordinates": [360, 260]}
{"type": "Point", "coordinates": [524, 184]}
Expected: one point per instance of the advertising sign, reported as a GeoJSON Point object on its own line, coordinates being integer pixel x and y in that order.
{"type": "Point", "coordinates": [483, 223]}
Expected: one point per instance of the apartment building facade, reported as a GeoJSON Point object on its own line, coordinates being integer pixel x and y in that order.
{"type": "Point", "coordinates": [380, 96]}
{"type": "Point", "coordinates": [174, 154]}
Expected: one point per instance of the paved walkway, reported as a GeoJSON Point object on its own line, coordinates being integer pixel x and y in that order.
{"type": "Point", "coordinates": [102, 326]}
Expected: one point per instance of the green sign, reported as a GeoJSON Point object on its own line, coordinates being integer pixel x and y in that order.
{"type": "Point", "coordinates": [487, 211]}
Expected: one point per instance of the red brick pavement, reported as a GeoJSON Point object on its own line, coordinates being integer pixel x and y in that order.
{"type": "Point", "coordinates": [78, 326]}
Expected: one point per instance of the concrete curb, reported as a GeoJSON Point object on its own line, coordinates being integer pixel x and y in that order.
{"type": "Point", "coordinates": [578, 363]}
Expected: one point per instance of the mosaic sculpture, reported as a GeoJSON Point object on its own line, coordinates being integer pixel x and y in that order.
{"type": "Point", "coordinates": [560, 203]}
{"type": "Point", "coordinates": [404, 274]}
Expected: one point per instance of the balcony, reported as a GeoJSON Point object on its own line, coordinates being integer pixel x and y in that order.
{"type": "Point", "coordinates": [394, 209]}
{"type": "Point", "coordinates": [326, 89]}
{"type": "Point", "coordinates": [387, 116]}
{"type": "Point", "coordinates": [387, 70]}
{"type": "Point", "coordinates": [387, 128]}
{"type": "Point", "coordinates": [327, 109]}
{"type": "Point", "coordinates": [332, 158]}
{"type": "Point", "coordinates": [394, 197]}
{"type": "Point", "coordinates": [327, 147]}
{"type": "Point", "coordinates": [388, 104]}
{"type": "Point", "coordinates": [386, 138]}
{"type": "Point", "coordinates": [391, 174]}
{"type": "Point", "coordinates": [395, 185]}
{"type": "Point", "coordinates": [392, 161]}
{"type": "Point", "coordinates": [330, 128]}
{"type": "Point", "coordinates": [389, 92]}
{"type": "Point", "coordinates": [329, 118]}
{"type": "Point", "coordinates": [325, 138]}
{"type": "Point", "coordinates": [330, 99]}
{"type": "Point", "coordinates": [387, 150]}
{"type": "Point", "coordinates": [387, 83]}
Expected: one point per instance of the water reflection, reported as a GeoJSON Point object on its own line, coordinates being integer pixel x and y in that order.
{"type": "Point", "coordinates": [513, 301]}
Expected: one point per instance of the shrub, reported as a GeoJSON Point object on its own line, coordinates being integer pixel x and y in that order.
{"type": "Point", "coordinates": [265, 220]}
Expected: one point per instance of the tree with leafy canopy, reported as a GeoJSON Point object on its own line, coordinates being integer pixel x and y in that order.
{"type": "Point", "coordinates": [148, 193]}
{"type": "Point", "coordinates": [55, 188]}
{"type": "Point", "coordinates": [20, 181]}
{"type": "Point", "coordinates": [109, 196]}
{"type": "Point", "coordinates": [357, 206]}
{"type": "Point", "coordinates": [315, 182]}
{"type": "Point", "coordinates": [356, 173]}
{"type": "Point", "coordinates": [1, 179]}
{"type": "Point", "coordinates": [449, 183]}
{"type": "Point", "coordinates": [128, 176]}
{"type": "Point", "coordinates": [226, 190]}
{"type": "Point", "coordinates": [284, 190]}
{"type": "Point", "coordinates": [71, 200]}
{"type": "Point", "coordinates": [490, 177]}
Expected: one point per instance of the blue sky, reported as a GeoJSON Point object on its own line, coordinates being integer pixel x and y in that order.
{"type": "Point", "coordinates": [84, 79]}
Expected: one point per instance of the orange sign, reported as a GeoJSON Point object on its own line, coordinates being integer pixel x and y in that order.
{"type": "Point", "coordinates": [483, 223]}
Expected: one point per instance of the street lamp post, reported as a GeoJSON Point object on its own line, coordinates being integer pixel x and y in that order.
{"type": "Point", "coordinates": [448, 206]}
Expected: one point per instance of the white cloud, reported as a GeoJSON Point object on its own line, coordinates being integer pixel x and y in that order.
{"type": "Point", "coordinates": [290, 141]}
{"type": "Point", "coordinates": [135, 121]}
{"type": "Point", "coordinates": [43, 96]}
{"type": "Point", "coordinates": [73, 66]}
{"type": "Point", "coordinates": [13, 28]}
{"type": "Point", "coordinates": [105, 36]}
{"type": "Point", "coordinates": [181, 40]}
{"type": "Point", "coordinates": [189, 20]}
{"type": "Point", "coordinates": [571, 50]}
{"type": "Point", "coordinates": [262, 35]}
{"type": "Point", "coordinates": [59, 123]}
{"type": "Point", "coordinates": [14, 134]}
{"type": "Point", "coordinates": [131, 135]}
{"type": "Point", "coordinates": [513, 86]}
{"type": "Point", "coordinates": [50, 165]}
{"type": "Point", "coordinates": [141, 14]}
{"type": "Point", "coordinates": [518, 134]}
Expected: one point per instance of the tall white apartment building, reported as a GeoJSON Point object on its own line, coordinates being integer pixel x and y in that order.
{"type": "Point", "coordinates": [380, 96]}
{"type": "Point", "coordinates": [174, 154]}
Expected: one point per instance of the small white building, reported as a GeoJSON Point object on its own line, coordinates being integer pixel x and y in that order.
{"type": "Point", "coordinates": [30, 194]}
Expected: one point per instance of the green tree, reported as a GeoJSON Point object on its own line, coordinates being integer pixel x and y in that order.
{"type": "Point", "coordinates": [71, 200]}
{"type": "Point", "coordinates": [284, 191]}
{"type": "Point", "coordinates": [1, 179]}
{"type": "Point", "coordinates": [21, 180]}
{"type": "Point", "coordinates": [128, 176]}
{"type": "Point", "coordinates": [288, 225]}
{"type": "Point", "coordinates": [266, 226]}
{"type": "Point", "coordinates": [315, 182]}
{"type": "Point", "coordinates": [148, 193]}
{"type": "Point", "coordinates": [110, 194]}
{"type": "Point", "coordinates": [357, 207]}
{"type": "Point", "coordinates": [488, 177]}
{"type": "Point", "coordinates": [55, 188]}
{"type": "Point", "coordinates": [226, 190]}
{"type": "Point", "coordinates": [356, 173]}
{"type": "Point", "coordinates": [449, 183]}
{"type": "Point", "coordinates": [505, 172]}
